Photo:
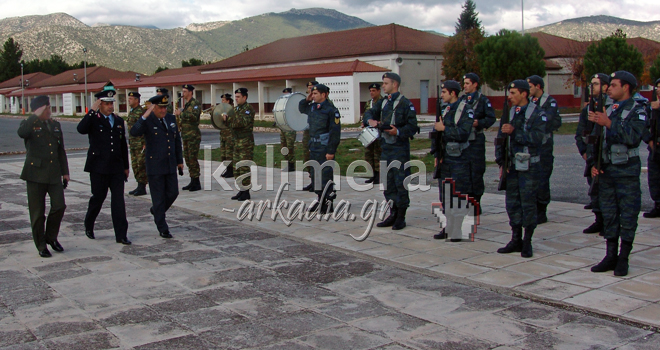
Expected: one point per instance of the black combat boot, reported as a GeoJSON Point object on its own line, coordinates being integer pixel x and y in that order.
{"type": "Point", "coordinates": [400, 222]}
{"type": "Point", "coordinates": [597, 226]}
{"type": "Point", "coordinates": [654, 213]}
{"type": "Point", "coordinates": [309, 188]}
{"type": "Point", "coordinates": [131, 192]}
{"type": "Point", "coordinates": [621, 268]}
{"type": "Point", "coordinates": [527, 251]}
{"type": "Point", "coordinates": [292, 167]}
{"type": "Point", "coordinates": [541, 217]}
{"type": "Point", "coordinates": [516, 244]}
{"type": "Point", "coordinates": [196, 185]}
{"type": "Point", "coordinates": [141, 190]}
{"type": "Point", "coordinates": [315, 206]}
{"type": "Point", "coordinates": [376, 178]}
{"type": "Point", "coordinates": [229, 172]}
{"type": "Point", "coordinates": [235, 197]}
{"type": "Point", "coordinates": [370, 180]}
{"type": "Point", "coordinates": [440, 235]}
{"type": "Point", "coordinates": [389, 221]}
{"type": "Point", "coordinates": [243, 196]}
{"type": "Point", "coordinates": [609, 262]}
{"type": "Point", "coordinates": [588, 206]}
{"type": "Point", "coordinates": [187, 187]}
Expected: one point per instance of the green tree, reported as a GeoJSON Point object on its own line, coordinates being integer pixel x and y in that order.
{"type": "Point", "coordinates": [193, 62]}
{"type": "Point", "coordinates": [468, 18]}
{"type": "Point", "coordinates": [10, 60]}
{"type": "Point", "coordinates": [460, 57]}
{"type": "Point", "coordinates": [160, 69]}
{"type": "Point", "coordinates": [612, 54]}
{"type": "Point", "coordinates": [507, 56]}
{"type": "Point", "coordinates": [655, 70]}
{"type": "Point", "coordinates": [53, 66]}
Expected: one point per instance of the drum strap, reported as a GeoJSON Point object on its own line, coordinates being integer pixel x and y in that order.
{"type": "Point", "coordinates": [396, 103]}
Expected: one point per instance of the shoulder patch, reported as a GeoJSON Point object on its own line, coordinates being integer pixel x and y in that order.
{"type": "Point", "coordinates": [553, 104]}
{"type": "Point", "coordinates": [642, 116]}
{"type": "Point", "coordinates": [412, 108]}
{"type": "Point", "coordinates": [247, 111]}
{"type": "Point", "coordinates": [336, 114]}
{"type": "Point", "coordinates": [544, 118]}
{"type": "Point", "coordinates": [196, 107]}
{"type": "Point", "coordinates": [489, 105]}
{"type": "Point", "coordinates": [337, 120]}
{"type": "Point", "coordinates": [470, 114]}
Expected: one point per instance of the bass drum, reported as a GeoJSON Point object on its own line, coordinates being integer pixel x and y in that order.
{"type": "Point", "coordinates": [216, 117]}
{"type": "Point", "coordinates": [368, 136]}
{"type": "Point", "coordinates": [287, 116]}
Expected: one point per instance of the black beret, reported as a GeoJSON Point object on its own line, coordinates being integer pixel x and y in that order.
{"type": "Point", "coordinates": [188, 87]}
{"type": "Point", "coordinates": [106, 95]}
{"type": "Point", "coordinates": [392, 76]}
{"type": "Point", "coordinates": [160, 100]}
{"type": "Point", "coordinates": [287, 90]}
{"type": "Point", "coordinates": [374, 86]}
{"type": "Point", "coordinates": [657, 82]}
{"type": "Point", "coordinates": [39, 102]}
{"type": "Point", "coordinates": [536, 80]}
{"type": "Point", "coordinates": [451, 84]}
{"type": "Point", "coordinates": [604, 78]}
{"type": "Point", "coordinates": [134, 94]}
{"type": "Point", "coordinates": [472, 76]}
{"type": "Point", "coordinates": [520, 85]}
{"type": "Point", "coordinates": [321, 88]}
{"type": "Point", "coordinates": [312, 83]}
{"type": "Point", "coordinates": [163, 91]}
{"type": "Point", "coordinates": [242, 91]}
{"type": "Point", "coordinates": [625, 76]}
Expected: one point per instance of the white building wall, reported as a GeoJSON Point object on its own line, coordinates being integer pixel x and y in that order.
{"type": "Point", "coordinates": [342, 95]}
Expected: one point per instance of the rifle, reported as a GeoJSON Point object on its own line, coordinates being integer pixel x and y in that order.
{"type": "Point", "coordinates": [504, 143]}
{"type": "Point", "coordinates": [437, 136]}
{"type": "Point", "coordinates": [597, 141]}
{"type": "Point", "coordinates": [655, 115]}
{"type": "Point", "coordinates": [586, 133]}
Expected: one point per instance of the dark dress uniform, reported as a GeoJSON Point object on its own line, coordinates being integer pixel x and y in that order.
{"type": "Point", "coordinates": [107, 161]}
{"type": "Point", "coordinates": [45, 164]}
{"type": "Point", "coordinates": [373, 151]}
{"type": "Point", "coordinates": [324, 123]}
{"type": "Point", "coordinates": [653, 161]}
{"type": "Point", "coordinates": [163, 154]}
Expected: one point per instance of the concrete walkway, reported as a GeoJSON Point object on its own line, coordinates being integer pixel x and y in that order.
{"type": "Point", "coordinates": [223, 283]}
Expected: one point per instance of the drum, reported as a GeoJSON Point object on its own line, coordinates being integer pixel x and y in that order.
{"type": "Point", "coordinates": [287, 116]}
{"type": "Point", "coordinates": [368, 136]}
{"type": "Point", "coordinates": [220, 109]}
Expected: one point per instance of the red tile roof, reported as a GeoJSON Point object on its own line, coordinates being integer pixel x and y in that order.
{"type": "Point", "coordinates": [94, 75]}
{"type": "Point", "coordinates": [391, 38]}
{"type": "Point", "coordinates": [33, 78]}
{"type": "Point", "coordinates": [556, 46]}
{"type": "Point", "coordinates": [62, 89]}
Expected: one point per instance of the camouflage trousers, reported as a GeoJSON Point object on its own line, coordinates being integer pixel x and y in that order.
{"type": "Point", "coordinates": [546, 165]}
{"type": "Point", "coordinates": [305, 143]}
{"type": "Point", "coordinates": [459, 171]}
{"type": "Point", "coordinates": [620, 202]}
{"type": "Point", "coordinates": [521, 193]}
{"type": "Point", "coordinates": [243, 150]}
{"type": "Point", "coordinates": [372, 155]}
{"type": "Point", "coordinates": [191, 141]}
{"type": "Point", "coordinates": [477, 155]}
{"type": "Point", "coordinates": [226, 145]}
{"type": "Point", "coordinates": [288, 139]}
{"type": "Point", "coordinates": [138, 161]}
{"type": "Point", "coordinates": [654, 178]}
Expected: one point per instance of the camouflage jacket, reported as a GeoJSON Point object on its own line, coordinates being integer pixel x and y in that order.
{"type": "Point", "coordinates": [132, 117]}
{"type": "Point", "coordinates": [242, 123]}
{"type": "Point", "coordinates": [369, 105]}
{"type": "Point", "coordinates": [191, 113]}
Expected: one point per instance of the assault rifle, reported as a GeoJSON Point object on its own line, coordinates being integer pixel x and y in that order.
{"type": "Point", "coordinates": [436, 136]}
{"type": "Point", "coordinates": [503, 142]}
{"type": "Point", "coordinates": [597, 141]}
{"type": "Point", "coordinates": [655, 124]}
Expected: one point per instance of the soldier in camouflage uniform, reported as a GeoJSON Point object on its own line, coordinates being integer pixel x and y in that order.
{"type": "Point", "coordinates": [136, 146]}
{"type": "Point", "coordinates": [484, 118]}
{"type": "Point", "coordinates": [397, 119]}
{"type": "Point", "coordinates": [619, 192]}
{"type": "Point", "coordinates": [227, 142]}
{"type": "Point", "coordinates": [305, 140]}
{"type": "Point", "coordinates": [456, 126]}
{"type": "Point", "coordinates": [373, 151]}
{"type": "Point", "coordinates": [190, 135]}
{"type": "Point", "coordinates": [526, 130]}
{"type": "Point", "coordinates": [599, 83]}
{"type": "Point", "coordinates": [325, 133]}
{"type": "Point", "coordinates": [241, 126]}
{"type": "Point", "coordinates": [654, 156]}
{"type": "Point", "coordinates": [288, 140]}
{"type": "Point", "coordinates": [549, 105]}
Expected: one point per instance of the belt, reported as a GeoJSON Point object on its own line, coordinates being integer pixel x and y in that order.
{"type": "Point", "coordinates": [633, 152]}
{"type": "Point", "coordinates": [315, 139]}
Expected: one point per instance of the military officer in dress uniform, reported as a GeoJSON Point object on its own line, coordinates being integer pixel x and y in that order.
{"type": "Point", "coordinates": [619, 192]}
{"type": "Point", "coordinates": [46, 171]}
{"type": "Point", "coordinates": [526, 130]}
{"type": "Point", "coordinates": [241, 126]}
{"type": "Point", "coordinates": [456, 126]}
{"type": "Point", "coordinates": [654, 154]}
{"type": "Point", "coordinates": [373, 151]}
{"type": "Point", "coordinates": [484, 118]}
{"type": "Point", "coordinates": [163, 155]}
{"type": "Point", "coordinates": [549, 105]}
{"type": "Point", "coordinates": [305, 140]}
{"type": "Point", "coordinates": [288, 140]}
{"type": "Point", "coordinates": [136, 145]}
{"type": "Point", "coordinates": [325, 133]}
{"type": "Point", "coordinates": [190, 135]}
{"type": "Point", "coordinates": [107, 163]}
{"type": "Point", "coordinates": [397, 119]}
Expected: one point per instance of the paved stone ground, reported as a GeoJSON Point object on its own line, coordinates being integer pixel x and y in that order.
{"type": "Point", "coordinates": [222, 284]}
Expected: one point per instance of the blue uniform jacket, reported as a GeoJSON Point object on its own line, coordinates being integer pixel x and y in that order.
{"type": "Point", "coordinates": [163, 145]}
{"type": "Point", "coordinates": [108, 150]}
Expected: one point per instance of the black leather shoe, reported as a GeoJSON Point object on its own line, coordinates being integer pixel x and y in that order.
{"type": "Point", "coordinates": [166, 234]}
{"type": "Point", "coordinates": [45, 253]}
{"type": "Point", "coordinates": [124, 241]}
{"type": "Point", "coordinates": [89, 234]}
{"type": "Point", "coordinates": [56, 246]}
{"type": "Point", "coordinates": [441, 235]}
{"type": "Point", "coordinates": [237, 195]}
{"type": "Point", "coordinates": [309, 188]}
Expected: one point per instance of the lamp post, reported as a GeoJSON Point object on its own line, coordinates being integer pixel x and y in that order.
{"type": "Point", "coordinates": [522, 14]}
{"type": "Point", "coordinates": [85, 65]}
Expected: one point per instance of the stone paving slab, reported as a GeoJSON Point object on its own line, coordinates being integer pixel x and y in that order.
{"type": "Point", "coordinates": [221, 283]}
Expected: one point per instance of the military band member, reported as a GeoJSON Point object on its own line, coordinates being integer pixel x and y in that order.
{"type": "Point", "coordinates": [170, 109]}
{"type": "Point", "coordinates": [599, 83]}
{"type": "Point", "coordinates": [397, 119]}
{"type": "Point", "coordinates": [305, 141]}
{"type": "Point", "coordinates": [325, 133]}
{"type": "Point", "coordinates": [654, 155]}
{"type": "Point", "coordinates": [288, 140]}
{"type": "Point", "coordinates": [46, 171]}
{"type": "Point", "coordinates": [619, 192]}
{"type": "Point", "coordinates": [241, 126]}
{"type": "Point", "coordinates": [190, 135]}
{"type": "Point", "coordinates": [227, 143]}
{"type": "Point", "coordinates": [373, 151]}
{"type": "Point", "coordinates": [526, 130]}
{"type": "Point", "coordinates": [484, 118]}
{"type": "Point", "coordinates": [107, 163]}
{"type": "Point", "coordinates": [136, 145]}
{"type": "Point", "coordinates": [456, 126]}
{"type": "Point", "coordinates": [549, 105]}
{"type": "Point", "coordinates": [163, 155]}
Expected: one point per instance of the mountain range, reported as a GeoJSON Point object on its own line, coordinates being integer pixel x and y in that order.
{"type": "Point", "coordinates": [597, 27]}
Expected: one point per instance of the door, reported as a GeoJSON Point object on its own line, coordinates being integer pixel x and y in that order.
{"type": "Point", "coordinates": [424, 96]}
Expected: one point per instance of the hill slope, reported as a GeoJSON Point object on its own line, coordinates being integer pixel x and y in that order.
{"type": "Point", "coordinates": [597, 27]}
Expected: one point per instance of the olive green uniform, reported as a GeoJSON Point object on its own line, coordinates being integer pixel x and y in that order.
{"type": "Point", "coordinates": [241, 131]}
{"type": "Point", "coordinates": [136, 147]}
{"type": "Point", "coordinates": [373, 151]}
{"type": "Point", "coordinates": [191, 135]}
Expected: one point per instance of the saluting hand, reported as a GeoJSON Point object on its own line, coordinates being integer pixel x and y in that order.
{"type": "Point", "coordinates": [148, 111]}
{"type": "Point", "coordinates": [40, 112]}
{"type": "Point", "coordinates": [96, 105]}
